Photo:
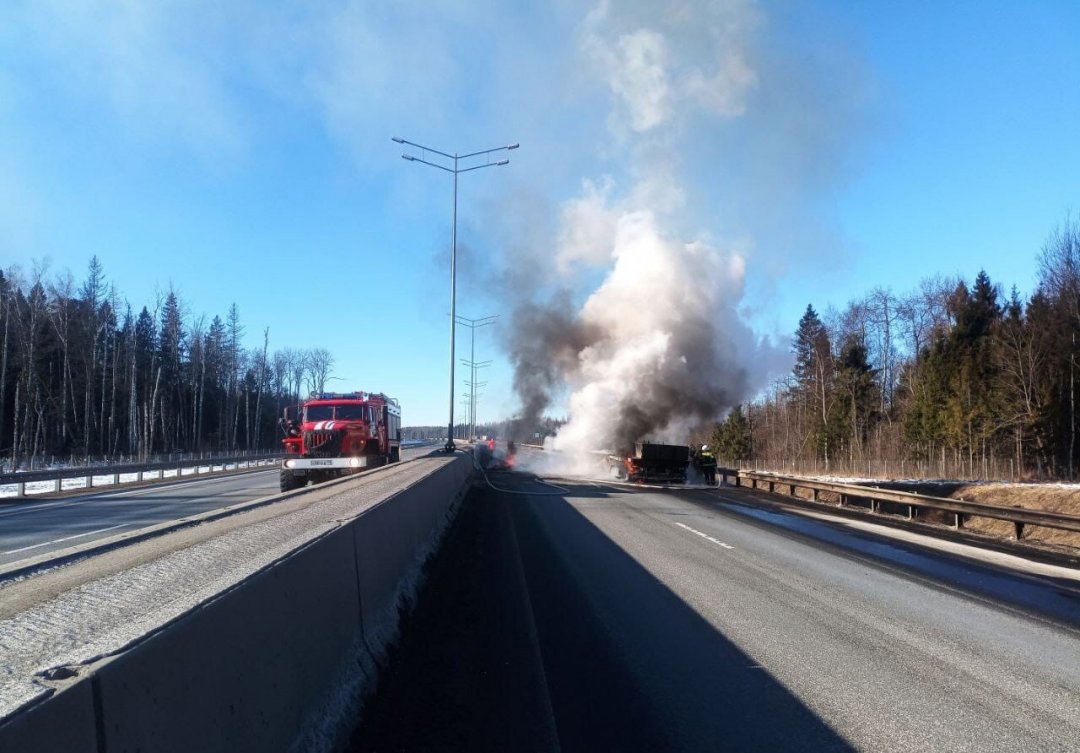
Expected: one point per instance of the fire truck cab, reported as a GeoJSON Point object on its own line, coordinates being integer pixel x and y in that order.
{"type": "Point", "coordinates": [334, 434]}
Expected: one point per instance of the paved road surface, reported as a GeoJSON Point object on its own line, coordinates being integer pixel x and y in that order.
{"type": "Point", "coordinates": [37, 527]}
{"type": "Point", "coordinates": [608, 618]}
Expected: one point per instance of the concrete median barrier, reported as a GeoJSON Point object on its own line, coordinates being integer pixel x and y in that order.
{"type": "Point", "coordinates": [65, 723]}
{"type": "Point", "coordinates": [274, 662]}
{"type": "Point", "coordinates": [381, 561]}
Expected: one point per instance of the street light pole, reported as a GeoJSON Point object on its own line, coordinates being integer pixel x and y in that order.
{"type": "Point", "coordinates": [474, 366]}
{"type": "Point", "coordinates": [471, 398]}
{"type": "Point", "coordinates": [456, 170]}
{"type": "Point", "coordinates": [473, 324]}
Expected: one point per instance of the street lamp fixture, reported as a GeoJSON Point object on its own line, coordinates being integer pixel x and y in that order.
{"type": "Point", "coordinates": [456, 169]}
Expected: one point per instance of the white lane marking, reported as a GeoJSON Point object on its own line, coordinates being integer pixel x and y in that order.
{"type": "Point", "coordinates": [66, 538]}
{"type": "Point", "coordinates": [705, 536]}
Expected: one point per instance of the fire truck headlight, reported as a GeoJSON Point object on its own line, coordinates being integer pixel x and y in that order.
{"type": "Point", "coordinates": [355, 462]}
{"type": "Point", "coordinates": [290, 463]}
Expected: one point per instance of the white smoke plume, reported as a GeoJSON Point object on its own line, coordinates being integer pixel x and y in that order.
{"type": "Point", "coordinates": [658, 348]}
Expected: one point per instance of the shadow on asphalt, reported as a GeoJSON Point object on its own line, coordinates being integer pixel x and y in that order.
{"type": "Point", "coordinates": [534, 631]}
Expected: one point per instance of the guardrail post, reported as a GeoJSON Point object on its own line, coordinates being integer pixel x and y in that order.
{"type": "Point", "coordinates": [1018, 529]}
{"type": "Point", "coordinates": [958, 520]}
{"type": "Point", "coordinates": [911, 512]}
{"type": "Point", "coordinates": [791, 490]}
{"type": "Point", "coordinates": [116, 479]}
{"type": "Point", "coordinates": [873, 505]}
{"type": "Point", "coordinates": [813, 494]}
{"type": "Point", "coordinates": [771, 485]}
{"type": "Point", "coordinates": [843, 500]}
{"type": "Point", "coordinates": [90, 481]}
{"type": "Point", "coordinates": [56, 486]}
{"type": "Point", "coordinates": [20, 489]}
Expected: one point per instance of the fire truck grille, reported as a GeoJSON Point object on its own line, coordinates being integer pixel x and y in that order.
{"type": "Point", "coordinates": [323, 444]}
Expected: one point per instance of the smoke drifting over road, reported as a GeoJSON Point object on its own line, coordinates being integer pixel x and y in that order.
{"type": "Point", "coordinates": [658, 347]}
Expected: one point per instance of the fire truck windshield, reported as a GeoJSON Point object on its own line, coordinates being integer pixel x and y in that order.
{"type": "Point", "coordinates": [350, 412]}
{"type": "Point", "coordinates": [318, 413]}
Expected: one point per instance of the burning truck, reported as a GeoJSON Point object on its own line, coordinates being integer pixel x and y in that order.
{"type": "Point", "coordinates": [334, 434]}
{"type": "Point", "coordinates": [651, 463]}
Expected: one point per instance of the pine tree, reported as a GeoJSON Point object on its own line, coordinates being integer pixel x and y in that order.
{"type": "Point", "coordinates": [731, 437]}
{"type": "Point", "coordinates": [813, 375]}
{"type": "Point", "coordinates": [857, 405]}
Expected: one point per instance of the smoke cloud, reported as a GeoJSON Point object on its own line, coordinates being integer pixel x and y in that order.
{"type": "Point", "coordinates": [656, 350]}
{"type": "Point", "coordinates": [643, 338]}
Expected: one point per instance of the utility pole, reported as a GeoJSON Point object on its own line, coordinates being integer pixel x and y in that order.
{"type": "Point", "coordinates": [455, 170]}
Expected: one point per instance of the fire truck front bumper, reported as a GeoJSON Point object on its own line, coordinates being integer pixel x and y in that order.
{"type": "Point", "coordinates": [322, 464]}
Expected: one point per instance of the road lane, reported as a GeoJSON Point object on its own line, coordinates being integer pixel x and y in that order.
{"type": "Point", "coordinates": [671, 620]}
{"type": "Point", "coordinates": [38, 527]}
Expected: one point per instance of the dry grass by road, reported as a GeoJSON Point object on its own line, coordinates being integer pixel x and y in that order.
{"type": "Point", "coordinates": [1063, 498]}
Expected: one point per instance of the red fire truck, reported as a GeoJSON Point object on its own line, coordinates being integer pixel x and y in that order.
{"type": "Point", "coordinates": [333, 434]}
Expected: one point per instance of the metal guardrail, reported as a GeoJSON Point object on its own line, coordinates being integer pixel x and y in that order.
{"type": "Point", "coordinates": [913, 503]}
{"type": "Point", "coordinates": [58, 475]}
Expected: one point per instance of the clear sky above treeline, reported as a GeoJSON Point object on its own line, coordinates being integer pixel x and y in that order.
{"type": "Point", "coordinates": [240, 152]}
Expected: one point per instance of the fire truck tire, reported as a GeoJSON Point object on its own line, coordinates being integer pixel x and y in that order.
{"type": "Point", "coordinates": [290, 481]}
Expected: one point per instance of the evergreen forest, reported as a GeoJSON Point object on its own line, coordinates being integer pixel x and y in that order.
{"type": "Point", "coordinates": [955, 379]}
{"type": "Point", "coordinates": [87, 377]}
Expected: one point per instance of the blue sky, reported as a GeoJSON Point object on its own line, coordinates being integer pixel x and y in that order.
{"type": "Point", "coordinates": [241, 153]}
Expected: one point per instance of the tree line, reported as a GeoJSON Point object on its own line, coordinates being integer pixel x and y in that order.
{"type": "Point", "coordinates": [85, 376]}
{"type": "Point", "coordinates": [955, 378]}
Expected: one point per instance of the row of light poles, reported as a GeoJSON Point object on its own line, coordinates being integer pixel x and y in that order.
{"type": "Point", "coordinates": [471, 362]}
{"type": "Point", "coordinates": [456, 169]}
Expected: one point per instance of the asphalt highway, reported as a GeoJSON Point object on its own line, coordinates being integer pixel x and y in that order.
{"type": "Point", "coordinates": [602, 617]}
{"type": "Point", "coordinates": [37, 527]}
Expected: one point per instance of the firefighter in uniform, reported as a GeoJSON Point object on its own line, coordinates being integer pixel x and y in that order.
{"type": "Point", "coordinates": [705, 464]}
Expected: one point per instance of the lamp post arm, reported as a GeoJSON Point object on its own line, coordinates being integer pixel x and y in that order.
{"type": "Point", "coordinates": [411, 158]}
{"type": "Point", "coordinates": [480, 167]}
{"type": "Point", "coordinates": [421, 146]}
{"type": "Point", "coordinates": [488, 151]}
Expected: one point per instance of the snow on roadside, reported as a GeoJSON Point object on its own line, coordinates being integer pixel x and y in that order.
{"type": "Point", "coordinates": [99, 481]}
{"type": "Point", "coordinates": [864, 481]}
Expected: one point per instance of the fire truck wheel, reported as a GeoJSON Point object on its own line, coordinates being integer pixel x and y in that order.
{"type": "Point", "coordinates": [290, 481]}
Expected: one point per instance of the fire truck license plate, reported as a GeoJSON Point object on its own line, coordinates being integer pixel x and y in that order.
{"type": "Point", "coordinates": [315, 463]}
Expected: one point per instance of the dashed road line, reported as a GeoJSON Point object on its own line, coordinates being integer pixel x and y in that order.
{"type": "Point", "coordinates": [66, 538]}
{"type": "Point", "coordinates": [705, 536]}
